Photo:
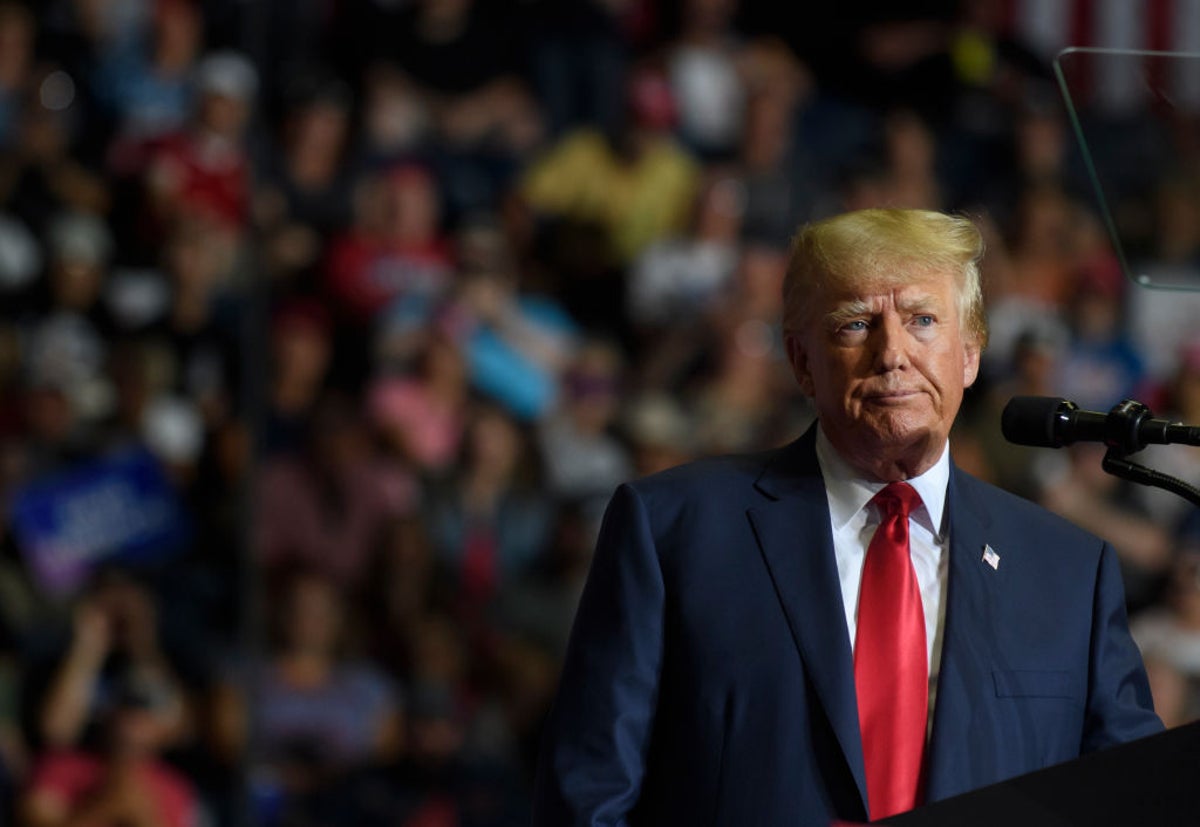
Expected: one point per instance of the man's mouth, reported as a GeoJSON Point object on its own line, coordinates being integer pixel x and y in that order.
{"type": "Point", "coordinates": [891, 397]}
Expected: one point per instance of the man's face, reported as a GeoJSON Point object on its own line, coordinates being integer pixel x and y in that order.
{"type": "Point", "coordinates": [886, 365]}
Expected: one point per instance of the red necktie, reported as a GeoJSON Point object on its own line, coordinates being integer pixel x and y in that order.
{"type": "Point", "coordinates": [891, 668]}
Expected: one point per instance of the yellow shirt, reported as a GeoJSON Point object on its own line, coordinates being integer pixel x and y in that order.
{"type": "Point", "coordinates": [637, 202]}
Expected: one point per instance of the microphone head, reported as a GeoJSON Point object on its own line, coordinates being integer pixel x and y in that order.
{"type": "Point", "coordinates": [1034, 420]}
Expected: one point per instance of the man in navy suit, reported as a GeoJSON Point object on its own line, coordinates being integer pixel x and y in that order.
{"type": "Point", "coordinates": [722, 667]}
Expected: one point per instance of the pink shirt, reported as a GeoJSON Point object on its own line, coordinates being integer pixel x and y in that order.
{"type": "Point", "coordinates": [72, 776]}
{"type": "Point", "coordinates": [431, 434]}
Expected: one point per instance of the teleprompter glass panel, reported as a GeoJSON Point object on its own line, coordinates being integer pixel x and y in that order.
{"type": "Point", "coordinates": [1136, 115]}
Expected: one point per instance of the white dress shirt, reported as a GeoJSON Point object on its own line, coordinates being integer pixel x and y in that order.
{"type": "Point", "coordinates": [854, 520]}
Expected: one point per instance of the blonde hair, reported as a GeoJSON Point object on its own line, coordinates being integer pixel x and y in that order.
{"type": "Point", "coordinates": [877, 246]}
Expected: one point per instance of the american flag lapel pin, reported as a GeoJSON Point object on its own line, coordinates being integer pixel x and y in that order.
{"type": "Point", "coordinates": [991, 557]}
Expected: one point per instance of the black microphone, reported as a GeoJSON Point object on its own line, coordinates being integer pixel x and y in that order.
{"type": "Point", "coordinates": [1052, 422]}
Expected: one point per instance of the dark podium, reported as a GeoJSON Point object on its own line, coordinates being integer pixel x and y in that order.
{"type": "Point", "coordinates": [1153, 780]}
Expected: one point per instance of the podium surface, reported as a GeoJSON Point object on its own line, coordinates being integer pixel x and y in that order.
{"type": "Point", "coordinates": [1151, 781]}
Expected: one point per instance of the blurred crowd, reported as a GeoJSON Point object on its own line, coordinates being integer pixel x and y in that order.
{"type": "Point", "coordinates": [327, 329]}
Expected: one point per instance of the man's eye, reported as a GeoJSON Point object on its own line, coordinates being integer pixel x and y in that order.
{"type": "Point", "coordinates": [924, 320]}
{"type": "Point", "coordinates": [856, 325]}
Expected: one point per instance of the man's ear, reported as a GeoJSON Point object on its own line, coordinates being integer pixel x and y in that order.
{"type": "Point", "coordinates": [798, 357]}
{"type": "Point", "coordinates": [971, 354]}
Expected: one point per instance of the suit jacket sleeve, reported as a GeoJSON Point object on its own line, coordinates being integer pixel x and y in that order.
{"type": "Point", "coordinates": [1119, 705]}
{"type": "Point", "coordinates": [593, 754]}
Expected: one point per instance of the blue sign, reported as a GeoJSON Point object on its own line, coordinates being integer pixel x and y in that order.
{"type": "Point", "coordinates": [119, 508]}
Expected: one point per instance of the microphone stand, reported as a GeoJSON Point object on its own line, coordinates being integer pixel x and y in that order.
{"type": "Point", "coordinates": [1125, 420]}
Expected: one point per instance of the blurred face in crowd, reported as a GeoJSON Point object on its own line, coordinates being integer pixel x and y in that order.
{"type": "Point", "coordinates": [886, 363]}
{"type": "Point", "coordinates": [592, 387]}
{"type": "Point", "coordinates": [494, 443]}
{"type": "Point", "coordinates": [719, 213]}
{"type": "Point", "coordinates": [75, 282]}
{"type": "Point", "coordinates": [316, 136]}
{"type": "Point", "coordinates": [224, 115]}
{"type": "Point", "coordinates": [312, 616]}
{"type": "Point", "coordinates": [177, 29]}
{"type": "Point", "coordinates": [1046, 223]}
{"type": "Point", "coordinates": [410, 205]}
{"type": "Point", "coordinates": [137, 732]}
{"type": "Point", "coordinates": [16, 44]}
{"type": "Point", "coordinates": [302, 351]}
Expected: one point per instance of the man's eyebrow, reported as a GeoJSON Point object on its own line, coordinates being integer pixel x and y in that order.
{"type": "Point", "coordinates": [918, 304]}
{"type": "Point", "coordinates": [846, 311]}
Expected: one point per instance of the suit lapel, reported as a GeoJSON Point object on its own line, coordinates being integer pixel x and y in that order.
{"type": "Point", "coordinates": [793, 532]}
{"type": "Point", "coordinates": [972, 590]}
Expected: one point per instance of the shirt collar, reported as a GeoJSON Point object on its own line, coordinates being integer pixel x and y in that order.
{"type": "Point", "coordinates": [849, 493]}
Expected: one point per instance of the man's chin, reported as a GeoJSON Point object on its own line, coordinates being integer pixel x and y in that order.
{"type": "Point", "coordinates": [895, 436]}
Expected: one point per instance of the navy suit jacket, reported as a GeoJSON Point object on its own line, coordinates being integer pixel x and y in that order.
{"type": "Point", "coordinates": [710, 680]}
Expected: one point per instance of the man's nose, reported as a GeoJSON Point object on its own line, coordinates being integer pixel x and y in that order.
{"type": "Point", "coordinates": [891, 344]}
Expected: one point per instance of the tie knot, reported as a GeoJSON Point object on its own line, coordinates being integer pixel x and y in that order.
{"type": "Point", "coordinates": [898, 499]}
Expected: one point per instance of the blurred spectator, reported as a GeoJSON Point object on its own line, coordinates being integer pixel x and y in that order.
{"type": "Point", "coordinates": [325, 507]}
{"type": "Point", "coordinates": [393, 265]}
{"type": "Point", "coordinates": [1161, 320]}
{"type": "Point", "coordinates": [452, 772]}
{"type": "Point", "coordinates": [1044, 247]}
{"type": "Point", "coordinates": [1035, 155]}
{"type": "Point", "coordinates": [199, 322]}
{"type": "Point", "coordinates": [584, 461]}
{"type": "Point", "coordinates": [1030, 280]}
{"type": "Point", "coordinates": [677, 279]}
{"type": "Point", "coordinates": [421, 415]}
{"type": "Point", "coordinates": [1086, 495]}
{"type": "Point", "coordinates": [706, 79]}
{"type": "Point", "coordinates": [736, 404]}
{"type": "Point", "coordinates": [1172, 688]}
{"type": "Point", "coordinates": [66, 345]}
{"type": "Point", "coordinates": [18, 31]}
{"type": "Point", "coordinates": [516, 346]}
{"type": "Point", "coordinates": [1169, 637]}
{"type": "Point", "coordinates": [20, 261]}
{"type": "Point", "coordinates": [1101, 366]}
{"type": "Point", "coordinates": [1180, 402]}
{"type": "Point", "coordinates": [911, 150]}
{"type": "Point", "coordinates": [318, 712]}
{"type": "Point", "coordinates": [538, 609]}
{"type": "Point", "coordinates": [52, 432]}
{"type": "Point", "coordinates": [173, 430]}
{"type": "Point", "coordinates": [403, 588]}
{"type": "Point", "coordinates": [303, 195]}
{"type": "Point", "coordinates": [146, 87]}
{"type": "Point", "coordinates": [123, 783]}
{"type": "Point", "coordinates": [395, 121]}
{"type": "Point", "coordinates": [203, 171]}
{"type": "Point", "coordinates": [462, 62]}
{"type": "Point", "coordinates": [300, 344]}
{"type": "Point", "coordinates": [42, 174]}
{"type": "Point", "coordinates": [80, 247]}
{"type": "Point", "coordinates": [1000, 79]}
{"type": "Point", "coordinates": [115, 641]}
{"type": "Point", "coordinates": [490, 522]}
{"type": "Point", "coordinates": [1177, 205]}
{"type": "Point", "coordinates": [780, 176]}
{"type": "Point", "coordinates": [579, 57]}
{"type": "Point", "coordinates": [1034, 371]}
{"type": "Point", "coordinates": [14, 752]}
{"type": "Point", "coordinates": [636, 186]}
{"type": "Point", "coordinates": [141, 373]}
{"type": "Point", "coordinates": [659, 433]}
